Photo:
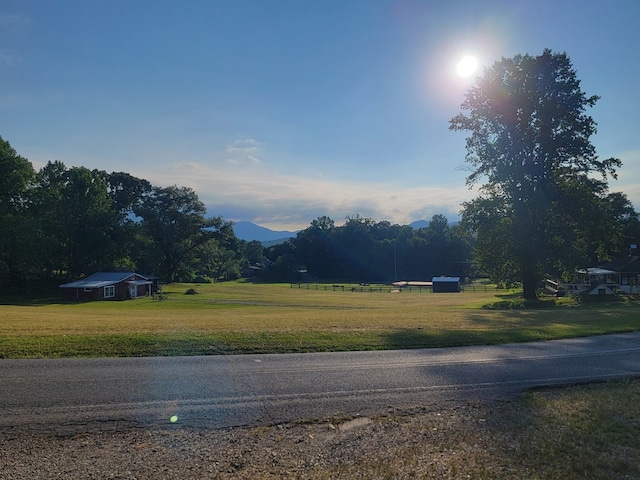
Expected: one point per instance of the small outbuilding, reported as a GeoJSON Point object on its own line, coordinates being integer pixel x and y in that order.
{"type": "Point", "coordinates": [445, 284]}
{"type": "Point", "coordinates": [108, 286]}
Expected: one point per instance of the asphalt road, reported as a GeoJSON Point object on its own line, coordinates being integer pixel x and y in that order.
{"type": "Point", "coordinates": [224, 391]}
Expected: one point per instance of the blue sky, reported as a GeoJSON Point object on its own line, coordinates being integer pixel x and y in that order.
{"type": "Point", "coordinates": [280, 111]}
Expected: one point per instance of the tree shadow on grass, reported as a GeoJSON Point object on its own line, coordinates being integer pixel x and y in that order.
{"type": "Point", "coordinates": [412, 338]}
{"type": "Point", "coordinates": [31, 302]}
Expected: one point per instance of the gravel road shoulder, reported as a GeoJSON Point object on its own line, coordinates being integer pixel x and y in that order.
{"type": "Point", "coordinates": [433, 444]}
{"type": "Point", "coordinates": [582, 432]}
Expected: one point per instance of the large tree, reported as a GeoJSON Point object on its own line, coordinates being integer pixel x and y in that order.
{"type": "Point", "coordinates": [78, 224]}
{"type": "Point", "coordinates": [315, 247]}
{"type": "Point", "coordinates": [175, 225]}
{"type": "Point", "coordinates": [16, 228]}
{"type": "Point", "coordinates": [529, 145]}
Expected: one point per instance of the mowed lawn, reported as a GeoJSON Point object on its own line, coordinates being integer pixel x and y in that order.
{"type": "Point", "coordinates": [237, 317]}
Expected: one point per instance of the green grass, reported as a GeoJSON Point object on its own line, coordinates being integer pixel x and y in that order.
{"type": "Point", "coordinates": [576, 432]}
{"type": "Point", "coordinates": [239, 317]}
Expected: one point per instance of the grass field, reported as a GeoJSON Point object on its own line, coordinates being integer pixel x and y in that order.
{"type": "Point", "coordinates": [578, 432]}
{"type": "Point", "coordinates": [239, 317]}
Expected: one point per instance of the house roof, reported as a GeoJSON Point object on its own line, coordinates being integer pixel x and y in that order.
{"type": "Point", "coordinates": [101, 279]}
{"type": "Point", "coordinates": [624, 264]}
{"type": "Point", "coordinates": [445, 279]}
{"type": "Point", "coordinates": [598, 271]}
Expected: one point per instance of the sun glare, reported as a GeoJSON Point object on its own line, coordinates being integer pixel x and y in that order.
{"type": "Point", "coordinates": [467, 66]}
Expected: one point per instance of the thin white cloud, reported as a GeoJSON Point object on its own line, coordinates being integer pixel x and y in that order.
{"type": "Point", "coordinates": [284, 201]}
{"type": "Point", "coordinates": [247, 190]}
{"type": "Point", "coordinates": [243, 151]}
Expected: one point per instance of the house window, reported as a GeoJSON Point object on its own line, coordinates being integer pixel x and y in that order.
{"type": "Point", "coordinates": [88, 290]}
{"type": "Point", "coordinates": [110, 291]}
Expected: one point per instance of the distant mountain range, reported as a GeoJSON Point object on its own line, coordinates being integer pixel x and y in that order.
{"type": "Point", "coordinates": [419, 224]}
{"type": "Point", "coordinates": [250, 231]}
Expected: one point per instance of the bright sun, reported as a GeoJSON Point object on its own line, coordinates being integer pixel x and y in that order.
{"type": "Point", "coordinates": [467, 66]}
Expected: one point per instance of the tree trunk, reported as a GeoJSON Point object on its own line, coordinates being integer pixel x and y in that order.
{"type": "Point", "coordinates": [529, 283]}
{"type": "Point", "coordinates": [529, 290]}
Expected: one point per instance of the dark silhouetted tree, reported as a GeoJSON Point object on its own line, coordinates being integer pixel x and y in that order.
{"type": "Point", "coordinates": [529, 146]}
{"type": "Point", "coordinates": [16, 228]}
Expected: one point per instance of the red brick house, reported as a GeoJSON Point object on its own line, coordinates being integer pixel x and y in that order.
{"type": "Point", "coordinates": [108, 286]}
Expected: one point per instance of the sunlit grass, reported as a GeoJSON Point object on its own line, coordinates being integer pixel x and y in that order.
{"type": "Point", "coordinates": [238, 317]}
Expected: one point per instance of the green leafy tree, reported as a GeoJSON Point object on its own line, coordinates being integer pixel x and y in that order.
{"type": "Point", "coordinates": [16, 227]}
{"type": "Point", "coordinates": [621, 211]}
{"type": "Point", "coordinates": [285, 248]}
{"type": "Point", "coordinates": [445, 252]}
{"type": "Point", "coordinates": [315, 248]}
{"type": "Point", "coordinates": [253, 251]}
{"type": "Point", "coordinates": [530, 144]}
{"type": "Point", "coordinates": [126, 193]}
{"type": "Point", "coordinates": [175, 226]}
{"type": "Point", "coordinates": [78, 221]}
{"type": "Point", "coordinates": [355, 248]}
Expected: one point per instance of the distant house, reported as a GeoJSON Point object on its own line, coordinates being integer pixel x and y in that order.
{"type": "Point", "coordinates": [109, 286]}
{"type": "Point", "coordinates": [445, 284]}
{"type": "Point", "coordinates": [628, 273]}
{"type": "Point", "coordinates": [622, 274]}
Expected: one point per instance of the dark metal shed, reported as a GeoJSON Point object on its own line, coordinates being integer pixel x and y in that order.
{"type": "Point", "coordinates": [445, 284]}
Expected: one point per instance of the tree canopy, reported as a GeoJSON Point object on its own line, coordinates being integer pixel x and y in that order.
{"type": "Point", "coordinates": [542, 203]}
{"type": "Point", "coordinates": [174, 218]}
{"type": "Point", "coordinates": [544, 208]}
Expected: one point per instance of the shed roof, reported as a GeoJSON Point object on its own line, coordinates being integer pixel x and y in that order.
{"type": "Point", "coordinates": [446, 279]}
{"type": "Point", "coordinates": [101, 279]}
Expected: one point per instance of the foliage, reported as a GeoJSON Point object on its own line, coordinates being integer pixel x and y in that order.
{"type": "Point", "coordinates": [16, 178]}
{"type": "Point", "coordinates": [77, 216]}
{"type": "Point", "coordinates": [365, 250]}
{"type": "Point", "coordinates": [63, 223]}
{"type": "Point", "coordinates": [541, 209]}
{"type": "Point", "coordinates": [174, 219]}
{"type": "Point", "coordinates": [59, 224]}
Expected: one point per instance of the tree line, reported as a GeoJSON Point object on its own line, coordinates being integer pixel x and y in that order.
{"type": "Point", "coordinates": [544, 207]}
{"type": "Point", "coordinates": [363, 250]}
{"type": "Point", "coordinates": [59, 224]}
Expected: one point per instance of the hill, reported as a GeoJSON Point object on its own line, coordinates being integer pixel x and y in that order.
{"type": "Point", "coordinates": [250, 231]}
